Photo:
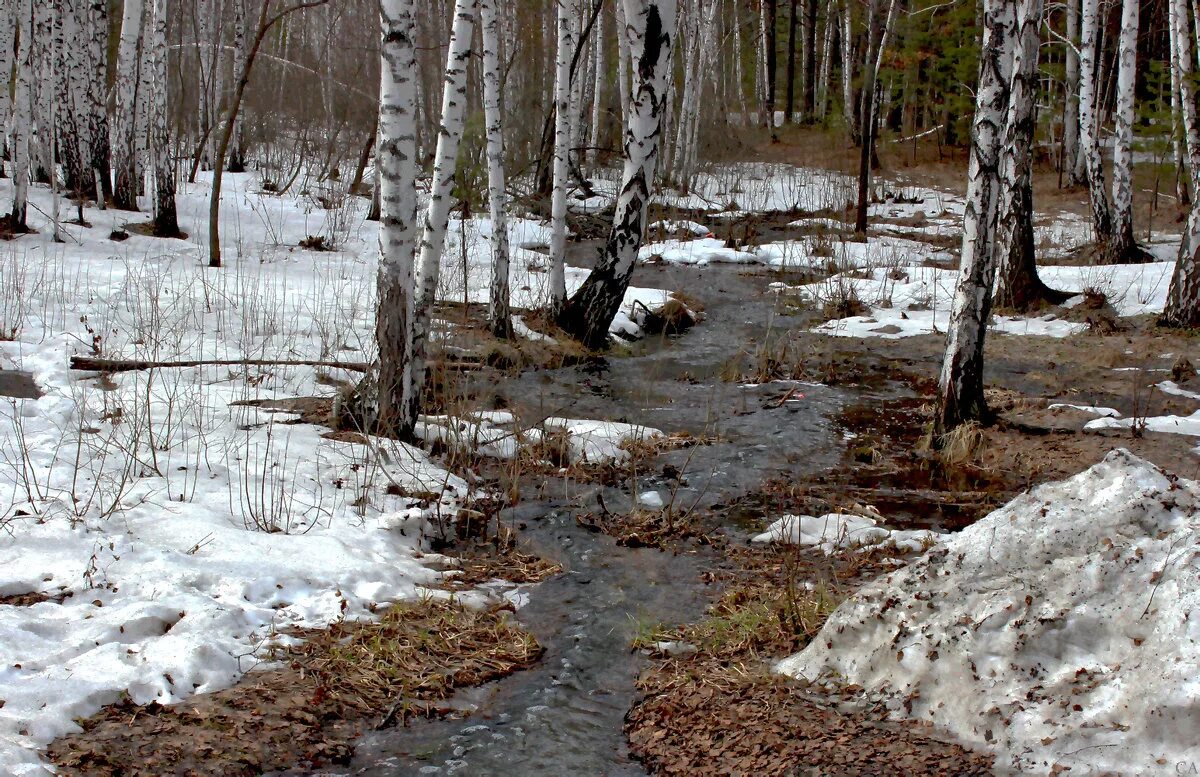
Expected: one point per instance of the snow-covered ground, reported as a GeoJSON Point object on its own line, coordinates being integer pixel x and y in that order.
{"type": "Point", "coordinates": [183, 526]}
{"type": "Point", "coordinates": [1062, 629]}
{"type": "Point", "coordinates": [896, 272]}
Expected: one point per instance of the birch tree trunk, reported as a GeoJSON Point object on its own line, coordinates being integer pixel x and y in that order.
{"type": "Point", "coordinates": [1183, 295]}
{"type": "Point", "coordinates": [126, 166]}
{"type": "Point", "coordinates": [1089, 142]}
{"type": "Point", "coordinates": [166, 222]}
{"type": "Point", "coordinates": [437, 215]}
{"type": "Point", "coordinates": [97, 109]}
{"type": "Point", "coordinates": [960, 388]}
{"type": "Point", "coordinates": [847, 45]}
{"type": "Point", "coordinates": [237, 149]}
{"type": "Point", "coordinates": [597, 90]}
{"type": "Point", "coordinates": [22, 117]}
{"type": "Point", "coordinates": [561, 171]}
{"type": "Point", "coordinates": [69, 85]}
{"type": "Point", "coordinates": [650, 27]}
{"type": "Point", "coordinates": [828, 29]}
{"type": "Point", "coordinates": [1123, 247]}
{"type": "Point", "coordinates": [1072, 160]}
{"type": "Point", "coordinates": [8, 30]}
{"type": "Point", "coordinates": [499, 317]}
{"type": "Point", "coordinates": [1019, 287]}
{"type": "Point", "coordinates": [398, 392]}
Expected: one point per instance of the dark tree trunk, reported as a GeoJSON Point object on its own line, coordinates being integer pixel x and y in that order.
{"type": "Point", "coordinates": [810, 60]}
{"type": "Point", "coordinates": [790, 67]}
{"type": "Point", "coordinates": [772, 61]}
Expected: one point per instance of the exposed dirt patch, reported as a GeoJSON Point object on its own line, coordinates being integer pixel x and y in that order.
{"type": "Point", "coordinates": [326, 690]}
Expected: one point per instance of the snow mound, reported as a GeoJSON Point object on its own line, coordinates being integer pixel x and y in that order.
{"type": "Point", "coordinates": [1057, 630]}
{"type": "Point", "coordinates": [835, 532]}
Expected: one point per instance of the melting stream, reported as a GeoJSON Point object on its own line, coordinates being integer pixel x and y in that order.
{"type": "Point", "coordinates": [565, 715]}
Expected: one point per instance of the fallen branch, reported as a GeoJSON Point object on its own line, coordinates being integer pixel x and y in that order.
{"type": "Point", "coordinates": [96, 364]}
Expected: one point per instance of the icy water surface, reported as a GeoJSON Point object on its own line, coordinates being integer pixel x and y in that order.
{"type": "Point", "coordinates": [564, 716]}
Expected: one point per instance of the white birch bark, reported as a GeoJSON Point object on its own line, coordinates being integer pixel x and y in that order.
{"type": "Point", "coordinates": [847, 35]}
{"type": "Point", "coordinates": [499, 318]}
{"type": "Point", "coordinates": [1072, 160]}
{"type": "Point", "coordinates": [96, 43]}
{"type": "Point", "coordinates": [126, 165]}
{"type": "Point", "coordinates": [686, 155]}
{"type": "Point", "coordinates": [22, 124]}
{"type": "Point", "coordinates": [1018, 285]}
{"type": "Point", "coordinates": [828, 28]}
{"type": "Point", "coordinates": [437, 215]}
{"type": "Point", "coordinates": [166, 223]}
{"type": "Point", "coordinates": [397, 392]}
{"type": "Point", "coordinates": [599, 77]}
{"type": "Point", "coordinates": [1089, 142]}
{"type": "Point", "coordinates": [651, 32]}
{"type": "Point", "coordinates": [960, 389]}
{"type": "Point", "coordinates": [1123, 247]}
{"type": "Point", "coordinates": [565, 47]}
{"type": "Point", "coordinates": [8, 30]}
{"type": "Point", "coordinates": [1183, 295]}
{"type": "Point", "coordinates": [622, 64]}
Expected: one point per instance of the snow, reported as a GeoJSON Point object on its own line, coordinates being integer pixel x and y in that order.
{"type": "Point", "coordinates": [1168, 424]}
{"type": "Point", "coordinates": [698, 252]}
{"type": "Point", "coordinates": [759, 187]}
{"type": "Point", "coordinates": [500, 435]}
{"type": "Point", "coordinates": [1171, 387]}
{"type": "Point", "coordinates": [1059, 630]}
{"type": "Point", "coordinates": [199, 523]}
{"type": "Point", "coordinates": [1106, 412]}
{"type": "Point", "coordinates": [836, 531]}
{"type": "Point", "coordinates": [599, 442]}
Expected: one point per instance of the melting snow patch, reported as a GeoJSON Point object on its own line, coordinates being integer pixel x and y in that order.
{"type": "Point", "coordinates": [1105, 412]}
{"type": "Point", "coordinates": [1064, 628]}
{"type": "Point", "coordinates": [835, 532]}
{"type": "Point", "coordinates": [1168, 424]}
{"type": "Point", "coordinates": [597, 442]}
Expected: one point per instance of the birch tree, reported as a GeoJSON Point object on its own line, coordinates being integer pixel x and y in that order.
{"type": "Point", "coordinates": [499, 316]}
{"type": "Point", "coordinates": [1072, 160]}
{"type": "Point", "coordinates": [8, 29]}
{"type": "Point", "coordinates": [565, 23]}
{"type": "Point", "coordinates": [437, 214]}
{"type": "Point", "coordinates": [22, 123]}
{"type": "Point", "coordinates": [397, 391]}
{"type": "Point", "coordinates": [1089, 141]}
{"type": "Point", "coordinates": [1183, 295]}
{"type": "Point", "coordinates": [166, 222]}
{"type": "Point", "coordinates": [1019, 287]}
{"type": "Point", "coordinates": [126, 167]}
{"type": "Point", "coordinates": [960, 388]}
{"type": "Point", "coordinates": [650, 27]}
{"type": "Point", "coordinates": [1123, 247]}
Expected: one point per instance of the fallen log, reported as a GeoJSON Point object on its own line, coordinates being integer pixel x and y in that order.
{"type": "Point", "coordinates": [96, 364]}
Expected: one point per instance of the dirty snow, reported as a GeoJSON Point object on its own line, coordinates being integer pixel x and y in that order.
{"type": "Point", "coordinates": [1059, 630]}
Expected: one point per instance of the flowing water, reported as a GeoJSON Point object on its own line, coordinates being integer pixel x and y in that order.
{"type": "Point", "coordinates": [564, 716]}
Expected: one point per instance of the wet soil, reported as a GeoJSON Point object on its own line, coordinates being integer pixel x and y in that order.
{"type": "Point", "coordinates": [19, 385]}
